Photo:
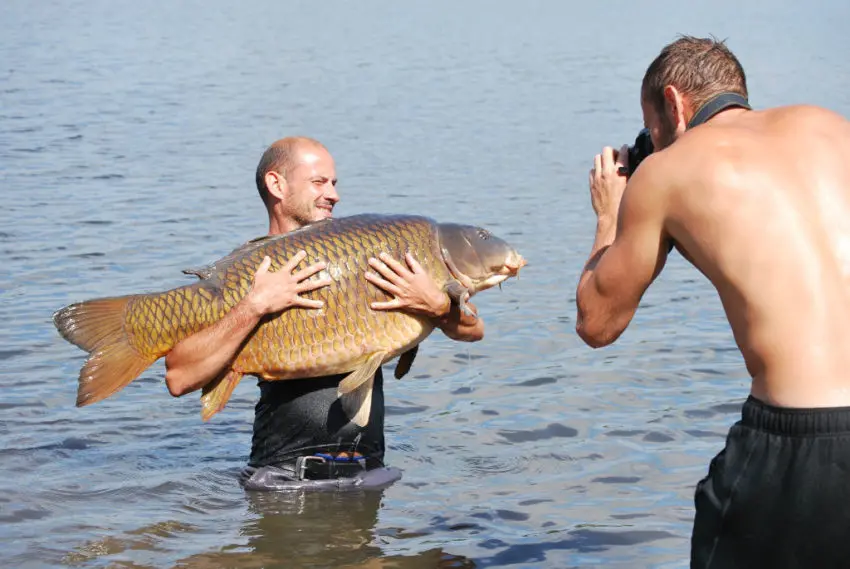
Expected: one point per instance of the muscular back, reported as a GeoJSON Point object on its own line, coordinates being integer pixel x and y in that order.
{"type": "Point", "coordinates": [761, 205]}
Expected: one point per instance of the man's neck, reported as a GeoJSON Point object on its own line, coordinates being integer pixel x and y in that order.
{"type": "Point", "coordinates": [716, 105]}
{"type": "Point", "coordinates": [727, 114]}
{"type": "Point", "coordinates": [279, 226]}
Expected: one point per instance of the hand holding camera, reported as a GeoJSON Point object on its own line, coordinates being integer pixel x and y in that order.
{"type": "Point", "coordinates": [606, 184]}
{"type": "Point", "coordinates": [640, 150]}
{"type": "Point", "coordinates": [610, 167]}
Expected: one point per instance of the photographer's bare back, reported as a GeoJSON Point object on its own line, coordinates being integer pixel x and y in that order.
{"type": "Point", "coordinates": [759, 202]}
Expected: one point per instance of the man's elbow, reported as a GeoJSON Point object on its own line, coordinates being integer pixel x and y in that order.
{"type": "Point", "coordinates": [591, 339]}
{"type": "Point", "coordinates": [176, 382]}
{"type": "Point", "coordinates": [474, 335]}
{"type": "Point", "coordinates": [466, 336]}
{"type": "Point", "coordinates": [597, 336]}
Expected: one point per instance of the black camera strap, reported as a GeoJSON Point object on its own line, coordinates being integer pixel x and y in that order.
{"type": "Point", "coordinates": [716, 104]}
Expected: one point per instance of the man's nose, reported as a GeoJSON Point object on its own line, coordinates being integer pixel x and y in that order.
{"type": "Point", "coordinates": [331, 195]}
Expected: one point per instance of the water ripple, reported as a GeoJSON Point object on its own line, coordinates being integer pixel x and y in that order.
{"type": "Point", "coordinates": [127, 153]}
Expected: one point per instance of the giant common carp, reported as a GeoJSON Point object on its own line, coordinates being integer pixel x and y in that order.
{"type": "Point", "coordinates": [124, 335]}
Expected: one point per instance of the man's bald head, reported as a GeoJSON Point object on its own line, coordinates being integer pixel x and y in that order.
{"type": "Point", "coordinates": [281, 157]}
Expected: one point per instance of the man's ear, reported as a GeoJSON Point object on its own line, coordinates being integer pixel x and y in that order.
{"type": "Point", "coordinates": [678, 107]}
{"type": "Point", "coordinates": [276, 184]}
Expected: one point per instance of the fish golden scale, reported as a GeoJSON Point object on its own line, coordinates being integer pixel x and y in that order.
{"type": "Point", "coordinates": [343, 313]}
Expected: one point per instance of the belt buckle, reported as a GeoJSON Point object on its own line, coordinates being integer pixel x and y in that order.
{"type": "Point", "coordinates": [301, 465]}
{"type": "Point", "coordinates": [351, 459]}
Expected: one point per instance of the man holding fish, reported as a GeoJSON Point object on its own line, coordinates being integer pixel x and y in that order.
{"type": "Point", "coordinates": [316, 337]}
{"type": "Point", "coordinates": [296, 179]}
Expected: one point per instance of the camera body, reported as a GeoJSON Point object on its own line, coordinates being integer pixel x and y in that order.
{"type": "Point", "coordinates": [641, 149]}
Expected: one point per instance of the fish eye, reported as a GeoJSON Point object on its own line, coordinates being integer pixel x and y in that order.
{"type": "Point", "coordinates": [483, 234]}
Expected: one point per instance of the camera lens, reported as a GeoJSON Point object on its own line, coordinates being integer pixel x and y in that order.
{"type": "Point", "coordinates": [640, 150]}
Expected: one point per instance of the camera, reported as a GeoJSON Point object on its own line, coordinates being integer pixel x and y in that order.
{"type": "Point", "coordinates": [637, 152]}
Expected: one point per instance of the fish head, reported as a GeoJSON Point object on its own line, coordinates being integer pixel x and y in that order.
{"type": "Point", "coordinates": [476, 257]}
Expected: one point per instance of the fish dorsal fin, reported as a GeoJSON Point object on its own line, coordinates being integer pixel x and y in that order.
{"type": "Point", "coordinates": [200, 272]}
{"type": "Point", "coordinates": [206, 272]}
{"type": "Point", "coordinates": [257, 240]}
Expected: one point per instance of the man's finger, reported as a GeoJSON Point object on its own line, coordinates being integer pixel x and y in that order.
{"type": "Point", "coordinates": [385, 271]}
{"type": "Point", "coordinates": [293, 262]}
{"type": "Point", "coordinates": [308, 272]}
{"type": "Point", "coordinates": [607, 159]}
{"type": "Point", "coordinates": [623, 156]}
{"type": "Point", "coordinates": [309, 285]}
{"type": "Point", "coordinates": [264, 266]}
{"type": "Point", "coordinates": [413, 263]}
{"type": "Point", "coordinates": [384, 285]}
{"type": "Point", "coordinates": [307, 303]}
{"type": "Point", "coordinates": [597, 165]}
{"type": "Point", "coordinates": [389, 305]}
{"type": "Point", "coordinates": [393, 264]}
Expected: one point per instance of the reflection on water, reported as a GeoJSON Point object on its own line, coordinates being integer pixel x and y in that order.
{"type": "Point", "coordinates": [293, 529]}
{"type": "Point", "coordinates": [128, 142]}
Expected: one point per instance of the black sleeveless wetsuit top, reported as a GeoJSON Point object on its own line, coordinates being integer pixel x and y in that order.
{"type": "Point", "coordinates": [304, 416]}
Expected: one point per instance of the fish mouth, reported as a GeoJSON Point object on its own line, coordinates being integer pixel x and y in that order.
{"type": "Point", "coordinates": [509, 269]}
{"type": "Point", "coordinates": [512, 266]}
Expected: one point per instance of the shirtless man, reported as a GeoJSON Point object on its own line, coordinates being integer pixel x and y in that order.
{"type": "Point", "coordinates": [759, 202]}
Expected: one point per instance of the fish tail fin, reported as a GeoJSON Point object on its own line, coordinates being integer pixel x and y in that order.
{"type": "Point", "coordinates": [217, 393]}
{"type": "Point", "coordinates": [97, 326]}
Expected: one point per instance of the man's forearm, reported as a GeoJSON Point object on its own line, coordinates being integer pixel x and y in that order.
{"type": "Point", "coordinates": [201, 357]}
{"type": "Point", "coordinates": [605, 232]}
{"type": "Point", "coordinates": [587, 290]}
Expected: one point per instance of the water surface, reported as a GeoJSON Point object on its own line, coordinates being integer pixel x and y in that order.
{"type": "Point", "coordinates": [129, 134]}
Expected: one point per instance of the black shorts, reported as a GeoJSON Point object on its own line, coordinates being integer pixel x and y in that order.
{"type": "Point", "coordinates": [778, 494]}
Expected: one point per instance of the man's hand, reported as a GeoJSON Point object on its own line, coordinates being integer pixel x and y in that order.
{"type": "Point", "coordinates": [413, 288]}
{"type": "Point", "coordinates": [607, 184]}
{"type": "Point", "coordinates": [279, 290]}
{"type": "Point", "coordinates": [205, 355]}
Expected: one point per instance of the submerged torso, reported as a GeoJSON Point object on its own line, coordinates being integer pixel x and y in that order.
{"type": "Point", "coordinates": [304, 416]}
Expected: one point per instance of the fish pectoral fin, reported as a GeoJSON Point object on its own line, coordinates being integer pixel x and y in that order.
{"type": "Point", "coordinates": [405, 361]}
{"type": "Point", "coordinates": [460, 294]}
{"type": "Point", "coordinates": [355, 390]}
{"type": "Point", "coordinates": [216, 393]}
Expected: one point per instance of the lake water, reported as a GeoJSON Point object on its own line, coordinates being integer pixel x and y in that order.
{"type": "Point", "coordinates": [129, 134]}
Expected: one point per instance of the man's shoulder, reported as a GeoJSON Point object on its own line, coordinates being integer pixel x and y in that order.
{"type": "Point", "coordinates": [774, 123]}
{"type": "Point", "coordinates": [670, 176]}
{"type": "Point", "coordinates": [803, 111]}
{"type": "Point", "coordinates": [658, 171]}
